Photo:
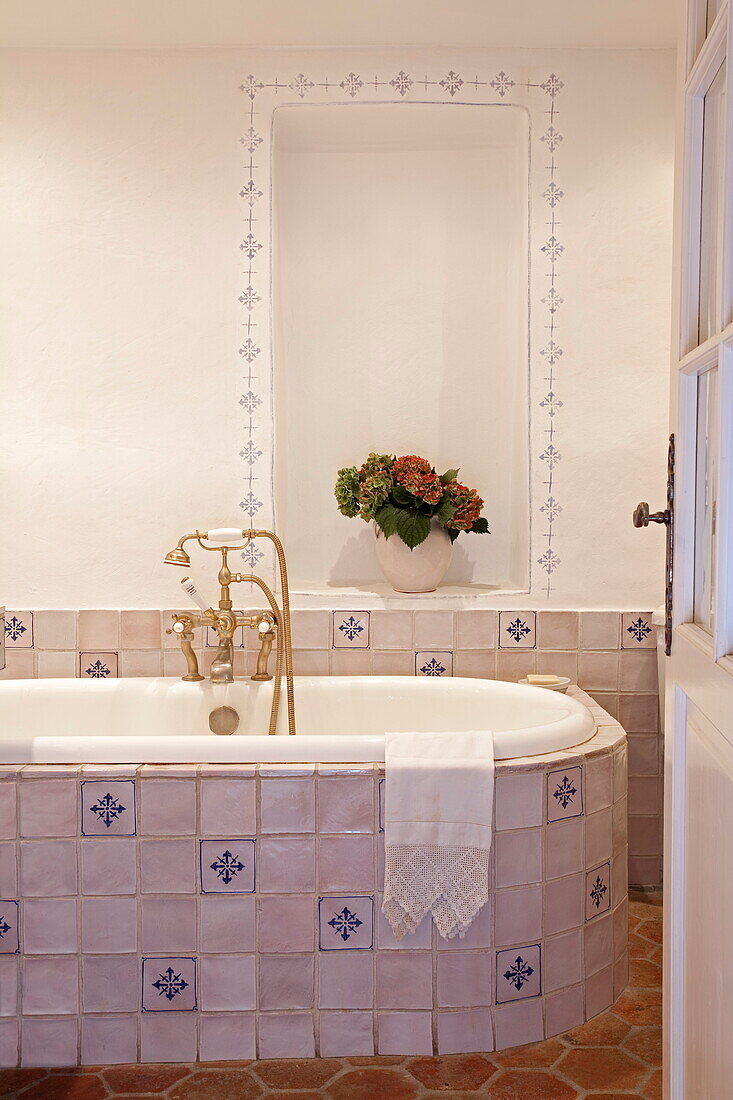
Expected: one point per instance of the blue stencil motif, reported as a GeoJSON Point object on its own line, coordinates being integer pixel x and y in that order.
{"type": "Point", "coordinates": [639, 629]}
{"type": "Point", "coordinates": [433, 668]}
{"type": "Point", "coordinates": [565, 792]}
{"type": "Point", "coordinates": [227, 867]}
{"type": "Point", "coordinates": [517, 629]}
{"type": "Point", "coordinates": [170, 984]}
{"type": "Point", "coordinates": [598, 891]}
{"type": "Point", "coordinates": [107, 809]}
{"type": "Point", "coordinates": [98, 670]}
{"type": "Point", "coordinates": [519, 972]}
{"type": "Point", "coordinates": [345, 923]}
{"type": "Point", "coordinates": [14, 628]}
{"type": "Point", "coordinates": [351, 628]}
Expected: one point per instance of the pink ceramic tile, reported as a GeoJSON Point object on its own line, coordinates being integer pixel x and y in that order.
{"type": "Point", "coordinates": [50, 986]}
{"type": "Point", "coordinates": [346, 979]}
{"type": "Point", "coordinates": [638, 671]}
{"type": "Point", "coordinates": [557, 630]}
{"type": "Point", "coordinates": [645, 870]}
{"type": "Point", "coordinates": [478, 934]}
{"type": "Point", "coordinates": [564, 903]}
{"type": "Point", "coordinates": [644, 835]}
{"type": "Point", "coordinates": [228, 807]}
{"type": "Point", "coordinates": [286, 866]}
{"type": "Point", "coordinates": [288, 805]}
{"type": "Point", "coordinates": [227, 1038]}
{"type": "Point", "coordinates": [391, 630]}
{"type": "Point", "coordinates": [464, 979]}
{"type": "Point", "coordinates": [108, 866]}
{"type": "Point", "coordinates": [351, 662]}
{"type": "Point", "coordinates": [598, 671]}
{"type": "Point", "coordinates": [109, 925]}
{"type": "Point", "coordinates": [346, 1034]}
{"type": "Point", "coordinates": [286, 924]}
{"type": "Point", "coordinates": [346, 804]}
{"type": "Point", "coordinates": [55, 630]}
{"type": "Point", "coordinates": [98, 664]}
{"type": "Point", "coordinates": [404, 1033]}
{"type": "Point", "coordinates": [518, 1023]}
{"type": "Point", "coordinates": [140, 630]}
{"type": "Point", "coordinates": [168, 1037]}
{"type": "Point", "coordinates": [639, 713]}
{"type": "Point", "coordinates": [564, 1010]}
{"type": "Point", "coordinates": [19, 632]}
{"type": "Point", "coordinates": [56, 664]}
{"type": "Point", "coordinates": [9, 985]}
{"type": "Point", "coordinates": [433, 630]}
{"type": "Point", "coordinates": [168, 866]}
{"type": "Point", "coordinates": [311, 629]}
{"type": "Point", "coordinates": [141, 662]}
{"type": "Point", "coordinates": [420, 939]}
{"type": "Point", "coordinates": [286, 1035]}
{"type": "Point", "coordinates": [47, 868]}
{"type": "Point", "coordinates": [518, 857]}
{"type": "Point", "coordinates": [9, 1036]}
{"type": "Point", "coordinates": [110, 983]}
{"type": "Point", "coordinates": [49, 1043]}
{"type": "Point", "coordinates": [620, 772]}
{"type": "Point", "coordinates": [392, 663]}
{"type": "Point", "coordinates": [598, 943]}
{"type": "Point", "coordinates": [19, 665]}
{"type": "Point", "coordinates": [620, 975]}
{"type": "Point", "coordinates": [227, 923]}
{"type": "Point", "coordinates": [620, 928]}
{"type": "Point", "coordinates": [174, 663]}
{"type": "Point", "coordinates": [477, 664]}
{"type": "Point", "coordinates": [564, 847]}
{"type": "Point", "coordinates": [286, 981]}
{"type": "Point", "coordinates": [99, 630]}
{"type": "Point", "coordinates": [518, 916]}
{"type": "Point", "coordinates": [562, 960]}
{"type": "Point", "coordinates": [608, 700]}
{"type": "Point", "coordinates": [643, 754]}
{"type": "Point", "coordinates": [49, 926]}
{"type": "Point", "coordinates": [168, 807]}
{"type": "Point", "coordinates": [598, 783]}
{"type": "Point", "coordinates": [168, 925]}
{"type": "Point", "coordinates": [599, 992]}
{"type": "Point", "coordinates": [404, 979]}
{"type": "Point", "coordinates": [519, 800]}
{"type": "Point", "coordinates": [48, 807]}
{"type": "Point", "coordinates": [8, 816]}
{"type": "Point", "coordinates": [465, 1032]}
{"type": "Point", "coordinates": [558, 663]}
{"type": "Point", "coordinates": [514, 664]}
{"type": "Point", "coordinates": [228, 983]}
{"type": "Point", "coordinates": [638, 631]}
{"type": "Point", "coordinates": [600, 629]}
{"type": "Point", "coordinates": [311, 662]}
{"type": "Point", "coordinates": [108, 1040]}
{"type": "Point", "coordinates": [644, 795]}
{"type": "Point", "coordinates": [346, 864]}
{"type": "Point", "coordinates": [8, 871]}
{"type": "Point", "coordinates": [433, 662]}
{"type": "Point", "coordinates": [476, 629]}
{"type": "Point", "coordinates": [598, 837]}
{"type": "Point", "coordinates": [620, 825]}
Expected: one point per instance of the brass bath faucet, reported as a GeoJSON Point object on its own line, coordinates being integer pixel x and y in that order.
{"type": "Point", "coordinates": [272, 624]}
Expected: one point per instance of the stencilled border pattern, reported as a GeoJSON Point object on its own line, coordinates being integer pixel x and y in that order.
{"type": "Point", "coordinates": [256, 396]}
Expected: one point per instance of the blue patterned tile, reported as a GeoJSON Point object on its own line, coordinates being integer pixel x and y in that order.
{"type": "Point", "coordinates": [432, 662]}
{"type": "Point", "coordinates": [517, 629]}
{"type": "Point", "coordinates": [346, 923]}
{"type": "Point", "coordinates": [637, 630]}
{"type": "Point", "coordinates": [169, 985]}
{"type": "Point", "coordinates": [9, 940]}
{"type": "Point", "coordinates": [518, 973]}
{"type": "Point", "coordinates": [351, 629]}
{"type": "Point", "coordinates": [597, 891]}
{"type": "Point", "coordinates": [19, 629]}
{"type": "Point", "coordinates": [97, 666]}
{"type": "Point", "coordinates": [565, 794]}
{"type": "Point", "coordinates": [227, 866]}
{"type": "Point", "coordinates": [108, 807]}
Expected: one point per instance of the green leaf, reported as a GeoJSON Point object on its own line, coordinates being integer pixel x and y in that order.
{"type": "Point", "coordinates": [449, 475]}
{"type": "Point", "coordinates": [445, 511]}
{"type": "Point", "coordinates": [453, 533]}
{"type": "Point", "coordinates": [413, 528]}
{"type": "Point", "coordinates": [480, 526]}
{"type": "Point", "coordinates": [401, 495]}
{"type": "Point", "coordinates": [387, 517]}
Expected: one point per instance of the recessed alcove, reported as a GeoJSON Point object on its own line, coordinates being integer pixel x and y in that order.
{"type": "Point", "coordinates": [400, 317]}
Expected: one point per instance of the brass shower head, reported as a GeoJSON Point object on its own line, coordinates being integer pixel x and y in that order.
{"type": "Point", "coordinates": [177, 557]}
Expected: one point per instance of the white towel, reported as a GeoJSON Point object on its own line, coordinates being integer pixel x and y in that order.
{"type": "Point", "coordinates": [439, 795]}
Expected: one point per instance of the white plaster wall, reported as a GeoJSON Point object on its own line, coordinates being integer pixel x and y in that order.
{"type": "Point", "coordinates": [120, 377]}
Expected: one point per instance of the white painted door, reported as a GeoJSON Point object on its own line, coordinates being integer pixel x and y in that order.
{"type": "Point", "coordinates": [698, 846]}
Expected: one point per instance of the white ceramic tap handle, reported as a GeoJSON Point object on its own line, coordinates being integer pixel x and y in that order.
{"type": "Point", "coordinates": [191, 590]}
{"type": "Point", "coordinates": [224, 534]}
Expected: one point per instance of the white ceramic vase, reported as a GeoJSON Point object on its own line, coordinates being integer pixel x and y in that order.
{"type": "Point", "coordinates": [418, 570]}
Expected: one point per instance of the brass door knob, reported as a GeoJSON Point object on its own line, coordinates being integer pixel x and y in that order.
{"type": "Point", "coordinates": [643, 517]}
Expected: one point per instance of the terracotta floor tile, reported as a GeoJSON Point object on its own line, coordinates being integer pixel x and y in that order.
{"type": "Point", "coordinates": [224, 1084]}
{"type": "Point", "coordinates": [640, 948]}
{"type": "Point", "coordinates": [13, 1079]}
{"type": "Point", "coordinates": [607, 1066]}
{"type": "Point", "coordinates": [645, 910]}
{"type": "Point", "coordinates": [145, 1078]}
{"type": "Point", "coordinates": [644, 974]}
{"type": "Point", "coordinates": [528, 1084]}
{"type": "Point", "coordinates": [68, 1086]}
{"type": "Point", "coordinates": [452, 1071]}
{"type": "Point", "coordinates": [646, 1043]}
{"type": "Point", "coordinates": [373, 1083]}
{"type": "Point", "coordinates": [653, 1090]}
{"type": "Point", "coordinates": [650, 930]}
{"type": "Point", "coordinates": [376, 1060]}
{"type": "Point", "coordinates": [533, 1056]}
{"type": "Point", "coordinates": [604, 1030]}
{"type": "Point", "coordinates": [297, 1073]}
{"type": "Point", "coordinates": [640, 1006]}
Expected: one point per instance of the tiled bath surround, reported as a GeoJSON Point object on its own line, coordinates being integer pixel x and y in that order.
{"type": "Point", "coordinates": [168, 913]}
{"type": "Point", "coordinates": [610, 654]}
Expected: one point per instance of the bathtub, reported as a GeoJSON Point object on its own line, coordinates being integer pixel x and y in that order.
{"type": "Point", "coordinates": [339, 718]}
